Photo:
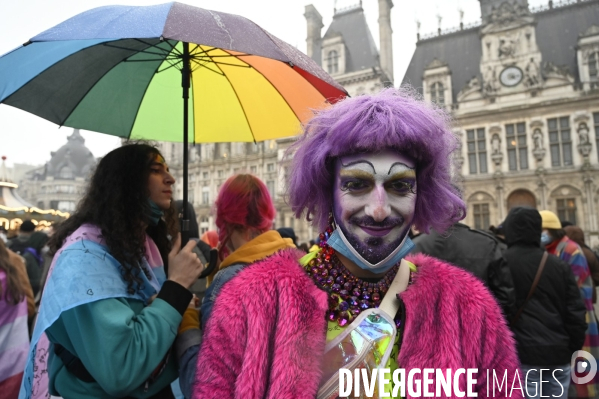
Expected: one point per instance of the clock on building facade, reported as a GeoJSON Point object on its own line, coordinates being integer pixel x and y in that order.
{"type": "Point", "coordinates": [511, 76]}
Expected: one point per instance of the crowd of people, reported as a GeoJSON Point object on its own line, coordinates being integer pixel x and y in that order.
{"type": "Point", "coordinates": [124, 314]}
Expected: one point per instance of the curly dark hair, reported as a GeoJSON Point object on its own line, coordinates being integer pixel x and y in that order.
{"type": "Point", "coordinates": [13, 292]}
{"type": "Point", "coordinates": [117, 202]}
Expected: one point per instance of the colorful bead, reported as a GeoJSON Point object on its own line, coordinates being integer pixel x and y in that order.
{"type": "Point", "coordinates": [348, 295]}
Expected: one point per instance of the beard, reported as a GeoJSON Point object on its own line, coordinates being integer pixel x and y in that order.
{"type": "Point", "coordinates": [373, 249]}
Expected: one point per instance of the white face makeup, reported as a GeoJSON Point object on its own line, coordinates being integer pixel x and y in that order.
{"type": "Point", "coordinates": [375, 197]}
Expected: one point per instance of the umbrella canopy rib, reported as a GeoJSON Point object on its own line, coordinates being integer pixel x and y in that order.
{"type": "Point", "coordinates": [119, 93]}
{"type": "Point", "coordinates": [292, 87]}
{"type": "Point", "coordinates": [103, 76]}
{"type": "Point", "coordinates": [58, 89]}
{"type": "Point", "coordinates": [158, 113]}
{"type": "Point", "coordinates": [240, 104]}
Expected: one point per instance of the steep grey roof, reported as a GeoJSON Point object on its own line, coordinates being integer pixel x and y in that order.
{"type": "Point", "coordinates": [557, 35]}
{"type": "Point", "coordinates": [75, 155]}
{"type": "Point", "coordinates": [558, 29]}
{"type": "Point", "coordinates": [361, 51]}
{"type": "Point", "coordinates": [461, 51]}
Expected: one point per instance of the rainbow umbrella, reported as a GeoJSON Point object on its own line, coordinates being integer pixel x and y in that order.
{"type": "Point", "coordinates": [168, 72]}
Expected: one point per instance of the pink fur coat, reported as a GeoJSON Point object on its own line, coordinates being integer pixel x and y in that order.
{"type": "Point", "coordinates": [266, 335]}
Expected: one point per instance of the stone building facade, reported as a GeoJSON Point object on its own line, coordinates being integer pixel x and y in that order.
{"type": "Point", "coordinates": [61, 182]}
{"type": "Point", "coordinates": [523, 88]}
{"type": "Point", "coordinates": [348, 52]}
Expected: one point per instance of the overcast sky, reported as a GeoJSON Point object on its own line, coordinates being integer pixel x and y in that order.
{"type": "Point", "coordinates": [26, 138]}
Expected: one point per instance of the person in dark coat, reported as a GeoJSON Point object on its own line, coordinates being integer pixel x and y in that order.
{"type": "Point", "coordinates": [461, 246]}
{"type": "Point", "coordinates": [552, 324]}
{"type": "Point", "coordinates": [472, 250]}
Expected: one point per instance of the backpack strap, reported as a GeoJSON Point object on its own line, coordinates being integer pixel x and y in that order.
{"type": "Point", "coordinates": [73, 364]}
{"type": "Point", "coordinates": [532, 288]}
{"type": "Point", "coordinates": [390, 303]}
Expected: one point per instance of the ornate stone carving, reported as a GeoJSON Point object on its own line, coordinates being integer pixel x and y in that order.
{"type": "Point", "coordinates": [584, 142]}
{"type": "Point", "coordinates": [592, 31]}
{"type": "Point", "coordinates": [436, 64]}
{"type": "Point", "coordinates": [550, 70]}
{"type": "Point", "coordinates": [532, 75]}
{"type": "Point", "coordinates": [581, 116]}
{"type": "Point", "coordinates": [507, 13]}
{"type": "Point", "coordinates": [539, 148]}
{"type": "Point", "coordinates": [496, 154]}
{"type": "Point", "coordinates": [496, 144]}
{"type": "Point", "coordinates": [473, 85]}
{"type": "Point", "coordinates": [490, 85]}
{"type": "Point", "coordinates": [508, 46]}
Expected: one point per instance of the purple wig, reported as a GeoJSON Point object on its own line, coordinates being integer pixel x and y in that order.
{"type": "Point", "coordinates": [393, 119]}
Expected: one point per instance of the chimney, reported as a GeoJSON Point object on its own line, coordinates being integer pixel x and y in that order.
{"type": "Point", "coordinates": [386, 37]}
{"type": "Point", "coordinates": [314, 38]}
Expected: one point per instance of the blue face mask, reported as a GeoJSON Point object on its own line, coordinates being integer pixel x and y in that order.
{"type": "Point", "coordinates": [155, 213]}
{"type": "Point", "coordinates": [545, 238]}
{"type": "Point", "coordinates": [339, 243]}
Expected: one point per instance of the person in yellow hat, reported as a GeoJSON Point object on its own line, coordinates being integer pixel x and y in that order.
{"type": "Point", "coordinates": [557, 243]}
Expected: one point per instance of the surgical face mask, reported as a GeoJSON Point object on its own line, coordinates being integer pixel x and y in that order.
{"type": "Point", "coordinates": [155, 213]}
{"type": "Point", "coordinates": [545, 238]}
{"type": "Point", "coordinates": [339, 243]}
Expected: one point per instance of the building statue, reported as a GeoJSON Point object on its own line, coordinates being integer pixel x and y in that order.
{"type": "Point", "coordinates": [532, 74]}
{"type": "Point", "coordinates": [495, 144]}
{"type": "Point", "coordinates": [537, 138]}
{"type": "Point", "coordinates": [490, 81]}
{"type": "Point", "coordinates": [583, 134]}
{"type": "Point", "coordinates": [473, 84]}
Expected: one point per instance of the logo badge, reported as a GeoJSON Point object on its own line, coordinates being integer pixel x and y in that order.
{"type": "Point", "coordinates": [583, 362]}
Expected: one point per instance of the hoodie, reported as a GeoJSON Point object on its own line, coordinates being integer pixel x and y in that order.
{"type": "Point", "coordinates": [552, 324]}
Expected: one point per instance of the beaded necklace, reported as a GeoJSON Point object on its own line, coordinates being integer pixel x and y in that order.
{"type": "Point", "coordinates": [348, 295]}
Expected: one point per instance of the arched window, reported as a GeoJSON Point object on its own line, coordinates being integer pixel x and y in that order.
{"type": "Point", "coordinates": [593, 66]}
{"type": "Point", "coordinates": [66, 173]}
{"type": "Point", "coordinates": [333, 62]}
{"type": "Point", "coordinates": [438, 93]}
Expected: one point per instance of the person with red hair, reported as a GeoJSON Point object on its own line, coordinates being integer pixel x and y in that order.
{"type": "Point", "coordinates": [211, 238]}
{"type": "Point", "coordinates": [244, 217]}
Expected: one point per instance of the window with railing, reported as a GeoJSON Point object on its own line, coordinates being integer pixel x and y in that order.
{"type": "Point", "coordinates": [477, 151]}
{"type": "Point", "coordinates": [438, 93]}
{"type": "Point", "coordinates": [566, 209]}
{"type": "Point", "coordinates": [517, 150]}
{"type": "Point", "coordinates": [560, 141]}
{"type": "Point", "coordinates": [482, 216]}
{"type": "Point", "coordinates": [332, 62]}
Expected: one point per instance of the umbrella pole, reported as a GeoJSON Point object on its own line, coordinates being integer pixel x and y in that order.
{"type": "Point", "coordinates": [185, 83]}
